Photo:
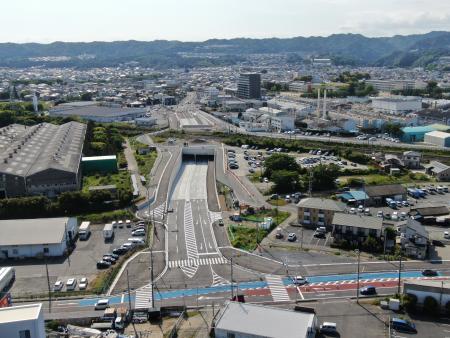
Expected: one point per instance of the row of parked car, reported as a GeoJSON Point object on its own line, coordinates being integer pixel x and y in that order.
{"type": "Point", "coordinates": [71, 284]}
{"type": "Point", "coordinates": [232, 163]}
{"type": "Point", "coordinates": [138, 234]}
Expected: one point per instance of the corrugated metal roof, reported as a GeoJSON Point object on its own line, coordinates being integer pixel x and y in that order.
{"type": "Point", "coordinates": [357, 221]}
{"type": "Point", "coordinates": [320, 203]}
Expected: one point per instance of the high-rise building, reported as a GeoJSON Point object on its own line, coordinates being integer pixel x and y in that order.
{"type": "Point", "coordinates": [249, 86]}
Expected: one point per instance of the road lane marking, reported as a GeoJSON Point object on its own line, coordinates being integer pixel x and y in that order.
{"type": "Point", "coordinates": [300, 292]}
{"type": "Point", "coordinates": [123, 297]}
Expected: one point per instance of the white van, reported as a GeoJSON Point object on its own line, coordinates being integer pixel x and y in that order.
{"type": "Point", "coordinates": [71, 284]}
{"type": "Point", "coordinates": [328, 327]}
{"type": "Point", "coordinates": [102, 304]}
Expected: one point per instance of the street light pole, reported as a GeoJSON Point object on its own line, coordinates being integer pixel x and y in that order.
{"type": "Point", "coordinates": [357, 279]}
{"type": "Point", "coordinates": [399, 272]}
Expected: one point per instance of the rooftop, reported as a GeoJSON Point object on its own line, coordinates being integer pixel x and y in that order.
{"type": "Point", "coordinates": [385, 190]}
{"type": "Point", "coordinates": [27, 150]}
{"type": "Point", "coordinates": [437, 167]}
{"type": "Point", "coordinates": [98, 158]}
{"type": "Point", "coordinates": [32, 231]}
{"type": "Point", "coordinates": [263, 321]}
{"type": "Point", "coordinates": [439, 134]}
{"type": "Point", "coordinates": [320, 203]}
{"type": "Point", "coordinates": [357, 221]}
{"type": "Point", "coordinates": [20, 313]}
{"type": "Point", "coordinates": [96, 110]}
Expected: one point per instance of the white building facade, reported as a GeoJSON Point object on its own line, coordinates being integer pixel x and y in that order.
{"type": "Point", "coordinates": [25, 321]}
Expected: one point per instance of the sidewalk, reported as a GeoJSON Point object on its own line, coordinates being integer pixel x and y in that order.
{"type": "Point", "coordinates": [133, 168]}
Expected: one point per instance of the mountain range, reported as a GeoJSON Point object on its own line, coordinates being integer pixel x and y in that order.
{"type": "Point", "coordinates": [355, 49]}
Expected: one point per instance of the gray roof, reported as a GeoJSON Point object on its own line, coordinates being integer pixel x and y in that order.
{"type": "Point", "coordinates": [357, 221]}
{"type": "Point", "coordinates": [97, 111]}
{"type": "Point", "coordinates": [385, 190]}
{"type": "Point", "coordinates": [320, 203]}
{"type": "Point", "coordinates": [32, 231]}
{"type": "Point", "coordinates": [430, 209]}
{"type": "Point", "coordinates": [438, 167]}
{"type": "Point", "coordinates": [25, 151]}
{"type": "Point", "coordinates": [416, 226]}
{"type": "Point", "coordinates": [263, 321]}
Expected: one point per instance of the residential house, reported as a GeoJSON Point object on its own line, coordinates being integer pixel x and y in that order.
{"type": "Point", "coordinates": [356, 228]}
{"type": "Point", "coordinates": [318, 211]}
{"type": "Point", "coordinates": [378, 193]}
{"type": "Point", "coordinates": [413, 238]}
{"type": "Point", "coordinates": [411, 159]}
{"type": "Point", "coordinates": [439, 170]}
{"type": "Point", "coordinates": [428, 212]}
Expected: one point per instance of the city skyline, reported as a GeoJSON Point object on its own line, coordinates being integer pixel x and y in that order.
{"type": "Point", "coordinates": [198, 20]}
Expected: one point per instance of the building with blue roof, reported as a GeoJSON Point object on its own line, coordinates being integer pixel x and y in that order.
{"type": "Point", "coordinates": [353, 196]}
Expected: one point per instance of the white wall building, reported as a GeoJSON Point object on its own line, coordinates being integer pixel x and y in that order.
{"type": "Point", "coordinates": [389, 85]}
{"type": "Point", "coordinates": [24, 321]}
{"type": "Point", "coordinates": [438, 138]}
{"type": "Point", "coordinates": [397, 105]}
{"type": "Point", "coordinates": [20, 238]}
{"type": "Point", "coordinates": [277, 120]}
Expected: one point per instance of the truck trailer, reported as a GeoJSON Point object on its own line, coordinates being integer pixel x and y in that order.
{"type": "Point", "coordinates": [108, 232]}
{"type": "Point", "coordinates": [84, 231]}
{"type": "Point", "coordinates": [7, 277]}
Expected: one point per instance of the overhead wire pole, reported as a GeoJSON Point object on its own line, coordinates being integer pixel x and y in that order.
{"type": "Point", "coordinates": [357, 279]}
{"type": "Point", "coordinates": [48, 285]}
{"type": "Point", "coordinates": [399, 272]}
{"type": "Point", "coordinates": [231, 279]}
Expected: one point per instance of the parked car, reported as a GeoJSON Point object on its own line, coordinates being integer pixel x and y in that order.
{"type": "Point", "coordinates": [71, 284]}
{"type": "Point", "coordinates": [103, 264]}
{"type": "Point", "coordinates": [58, 286]}
{"type": "Point", "coordinates": [292, 237]}
{"type": "Point", "coordinates": [403, 325]}
{"type": "Point", "coordinates": [446, 235]}
{"type": "Point", "coordinates": [138, 232]}
{"type": "Point", "coordinates": [109, 259]}
{"type": "Point", "coordinates": [119, 251]}
{"type": "Point", "coordinates": [102, 304]}
{"type": "Point", "coordinates": [429, 273]}
{"type": "Point", "coordinates": [328, 327]}
{"type": "Point", "coordinates": [368, 290]}
{"type": "Point", "coordinates": [299, 280]}
{"type": "Point", "coordinates": [380, 213]}
{"type": "Point", "coordinates": [113, 255]}
{"type": "Point", "coordinates": [83, 283]}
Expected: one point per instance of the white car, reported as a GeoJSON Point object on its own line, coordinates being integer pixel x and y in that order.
{"type": "Point", "coordinates": [83, 283]}
{"type": "Point", "coordinates": [58, 286]}
{"type": "Point", "coordinates": [353, 211]}
{"type": "Point", "coordinates": [446, 235]}
{"type": "Point", "coordinates": [380, 213]}
{"type": "Point", "coordinates": [299, 280]}
{"type": "Point", "coordinates": [71, 284]}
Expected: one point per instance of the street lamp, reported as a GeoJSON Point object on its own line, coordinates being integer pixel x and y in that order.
{"type": "Point", "coordinates": [357, 279]}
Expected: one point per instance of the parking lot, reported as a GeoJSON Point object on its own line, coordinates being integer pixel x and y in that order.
{"type": "Point", "coordinates": [304, 236]}
{"type": "Point", "coordinates": [31, 277]}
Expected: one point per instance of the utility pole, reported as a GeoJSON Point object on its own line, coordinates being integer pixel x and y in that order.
{"type": "Point", "coordinates": [399, 272]}
{"type": "Point", "coordinates": [231, 280]}
{"type": "Point", "coordinates": [151, 277]}
{"type": "Point", "coordinates": [49, 290]}
{"type": "Point", "coordinates": [311, 174]}
{"type": "Point", "coordinates": [357, 280]}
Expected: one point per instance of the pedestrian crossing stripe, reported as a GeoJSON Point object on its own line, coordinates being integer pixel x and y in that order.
{"type": "Point", "coordinates": [197, 262]}
{"type": "Point", "coordinates": [277, 288]}
{"type": "Point", "coordinates": [157, 212]}
{"type": "Point", "coordinates": [363, 281]}
{"type": "Point", "coordinates": [143, 297]}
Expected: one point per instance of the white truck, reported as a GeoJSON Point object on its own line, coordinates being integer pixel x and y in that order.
{"type": "Point", "coordinates": [7, 276]}
{"type": "Point", "coordinates": [108, 232]}
{"type": "Point", "coordinates": [84, 231]}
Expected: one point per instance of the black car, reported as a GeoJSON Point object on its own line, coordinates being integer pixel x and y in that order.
{"type": "Point", "coordinates": [221, 222]}
{"type": "Point", "coordinates": [113, 255]}
{"type": "Point", "coordinates": [319, 235]}
{"type": "Point", "coordinates": [368, 290]}
{"type": "Point", "coordinates": [103, 264]}
{"type": "Point", "coordinates": [435, 242]}
{"type": "Point", "coordinates": [120, 251]}
{"type": "Point", "coordinates": [109, 259]}
{"type": "Point", "coordinates": [429, 273]}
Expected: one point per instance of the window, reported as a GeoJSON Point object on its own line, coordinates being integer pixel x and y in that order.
{"type": "Point", "coordinates": [231, 335]}
{"type": "Point", "coordinates": [24, 334]}
{"type": "Point", "coordinates": [46, 250]}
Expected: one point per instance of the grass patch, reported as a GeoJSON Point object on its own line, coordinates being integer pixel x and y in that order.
{"type": "Point", "coordinates": [277, 216]}
{"type": "Point", "coordinates": [255, 177]}
{"type": "Point", "coordinates": [145, 162]}
{"type": "Point", "coordinates": [379, 179]}
{"type": "Point", "coordinates": [105, 217]}
{"type": "Point", "coordinates": [121, 180]}
{"type": "Point", "coordinates": [277, 203]}
{"type": "Point", "coordinates": [246, 238]}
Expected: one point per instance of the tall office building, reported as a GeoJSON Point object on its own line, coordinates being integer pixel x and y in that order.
{"type": "Point", "coordinates": [249, 86]}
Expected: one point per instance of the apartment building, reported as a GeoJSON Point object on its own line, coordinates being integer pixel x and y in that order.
{"type": "Point", "coordinates": [249, 86]}
{"type": "Point", "coordinates": [318, 211]}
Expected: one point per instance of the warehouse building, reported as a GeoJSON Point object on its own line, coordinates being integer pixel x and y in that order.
{"type": "Point", "coordinates": [97, 112]}
{"type": "Point", "coordinates": [40, 237]}
{"type": "Point", "coordinates": [24, 321]}
{"type": "Point", "coordinates": [397, 105]}
{"type": "Point", "coordinates": [241, 320]}
{"type": "Point", "coordinates": [40, 160]}
{"type": "Point", "coordinates": [99, 164]}
{"type": "Point", "coordinates": [438, 138]}
{"type": "Point", "coordinates": [417, 134]}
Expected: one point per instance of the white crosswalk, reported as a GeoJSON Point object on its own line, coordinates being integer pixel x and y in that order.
{"type": "Point", "coordinates": [197, 262]}
{"type": "Point", "coordinates": [189, 269]}
{"type": "Point", "coordinates": [218, 280]}
{"type": "Point", "coordinates": [143, 297]}
{"type": "Point", "coordinates": [214, 216]}
{"type": "Point", "coordinates": [157, 212]}
{"type": "Point", "coordinates": [277, 288]}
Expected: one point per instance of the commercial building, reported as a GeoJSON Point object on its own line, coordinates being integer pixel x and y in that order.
{"type": "Point", "coordinates": [40, 237]}
{"type": "Point", "coordinates": [249, 86]}
{"type": "Point", "coordinates": [40, 160]}
{"type": "Point", "coordinates": [411, 159]}
{"type": "Point", "coordinates": [439, 170]}
{"type": "Point", "coordinates": [241, 320]}
{"type": "Point", "coordinates": [390, 85]}
{"type": "Point", "coordinates": [378, 193]}
{"type": "Point", "coordinates": [99, 164]}
{"type": "Point", "coordinates": [24, 321]}
{"type": "Point", "coordinates": [317, 211]}
{"type": "Point", "coordinates": [438, 138]}
{"type": "Point", "coordinates": [439, 290]}
{"type": "Point", "coordinates": [356, 228]}
{"type": "Point", "coordinates": [98, 112]}
{"type": "Point", "coordinates": [417, 134]}
{"type": "Point", "coordinates": [397, 105]}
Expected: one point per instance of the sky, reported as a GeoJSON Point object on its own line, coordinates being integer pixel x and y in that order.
{"type": "Point", "coordinates": [198, 20]}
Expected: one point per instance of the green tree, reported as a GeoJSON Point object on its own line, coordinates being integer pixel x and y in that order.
{"type": "Point", "coordinates": [86, 96]}
{"type": "Point", "coordinates": [285, 181]}
{"type": "Point", "coordinates": [280, 162]}
{"type": "Point", "coordinates": [324, 176]}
